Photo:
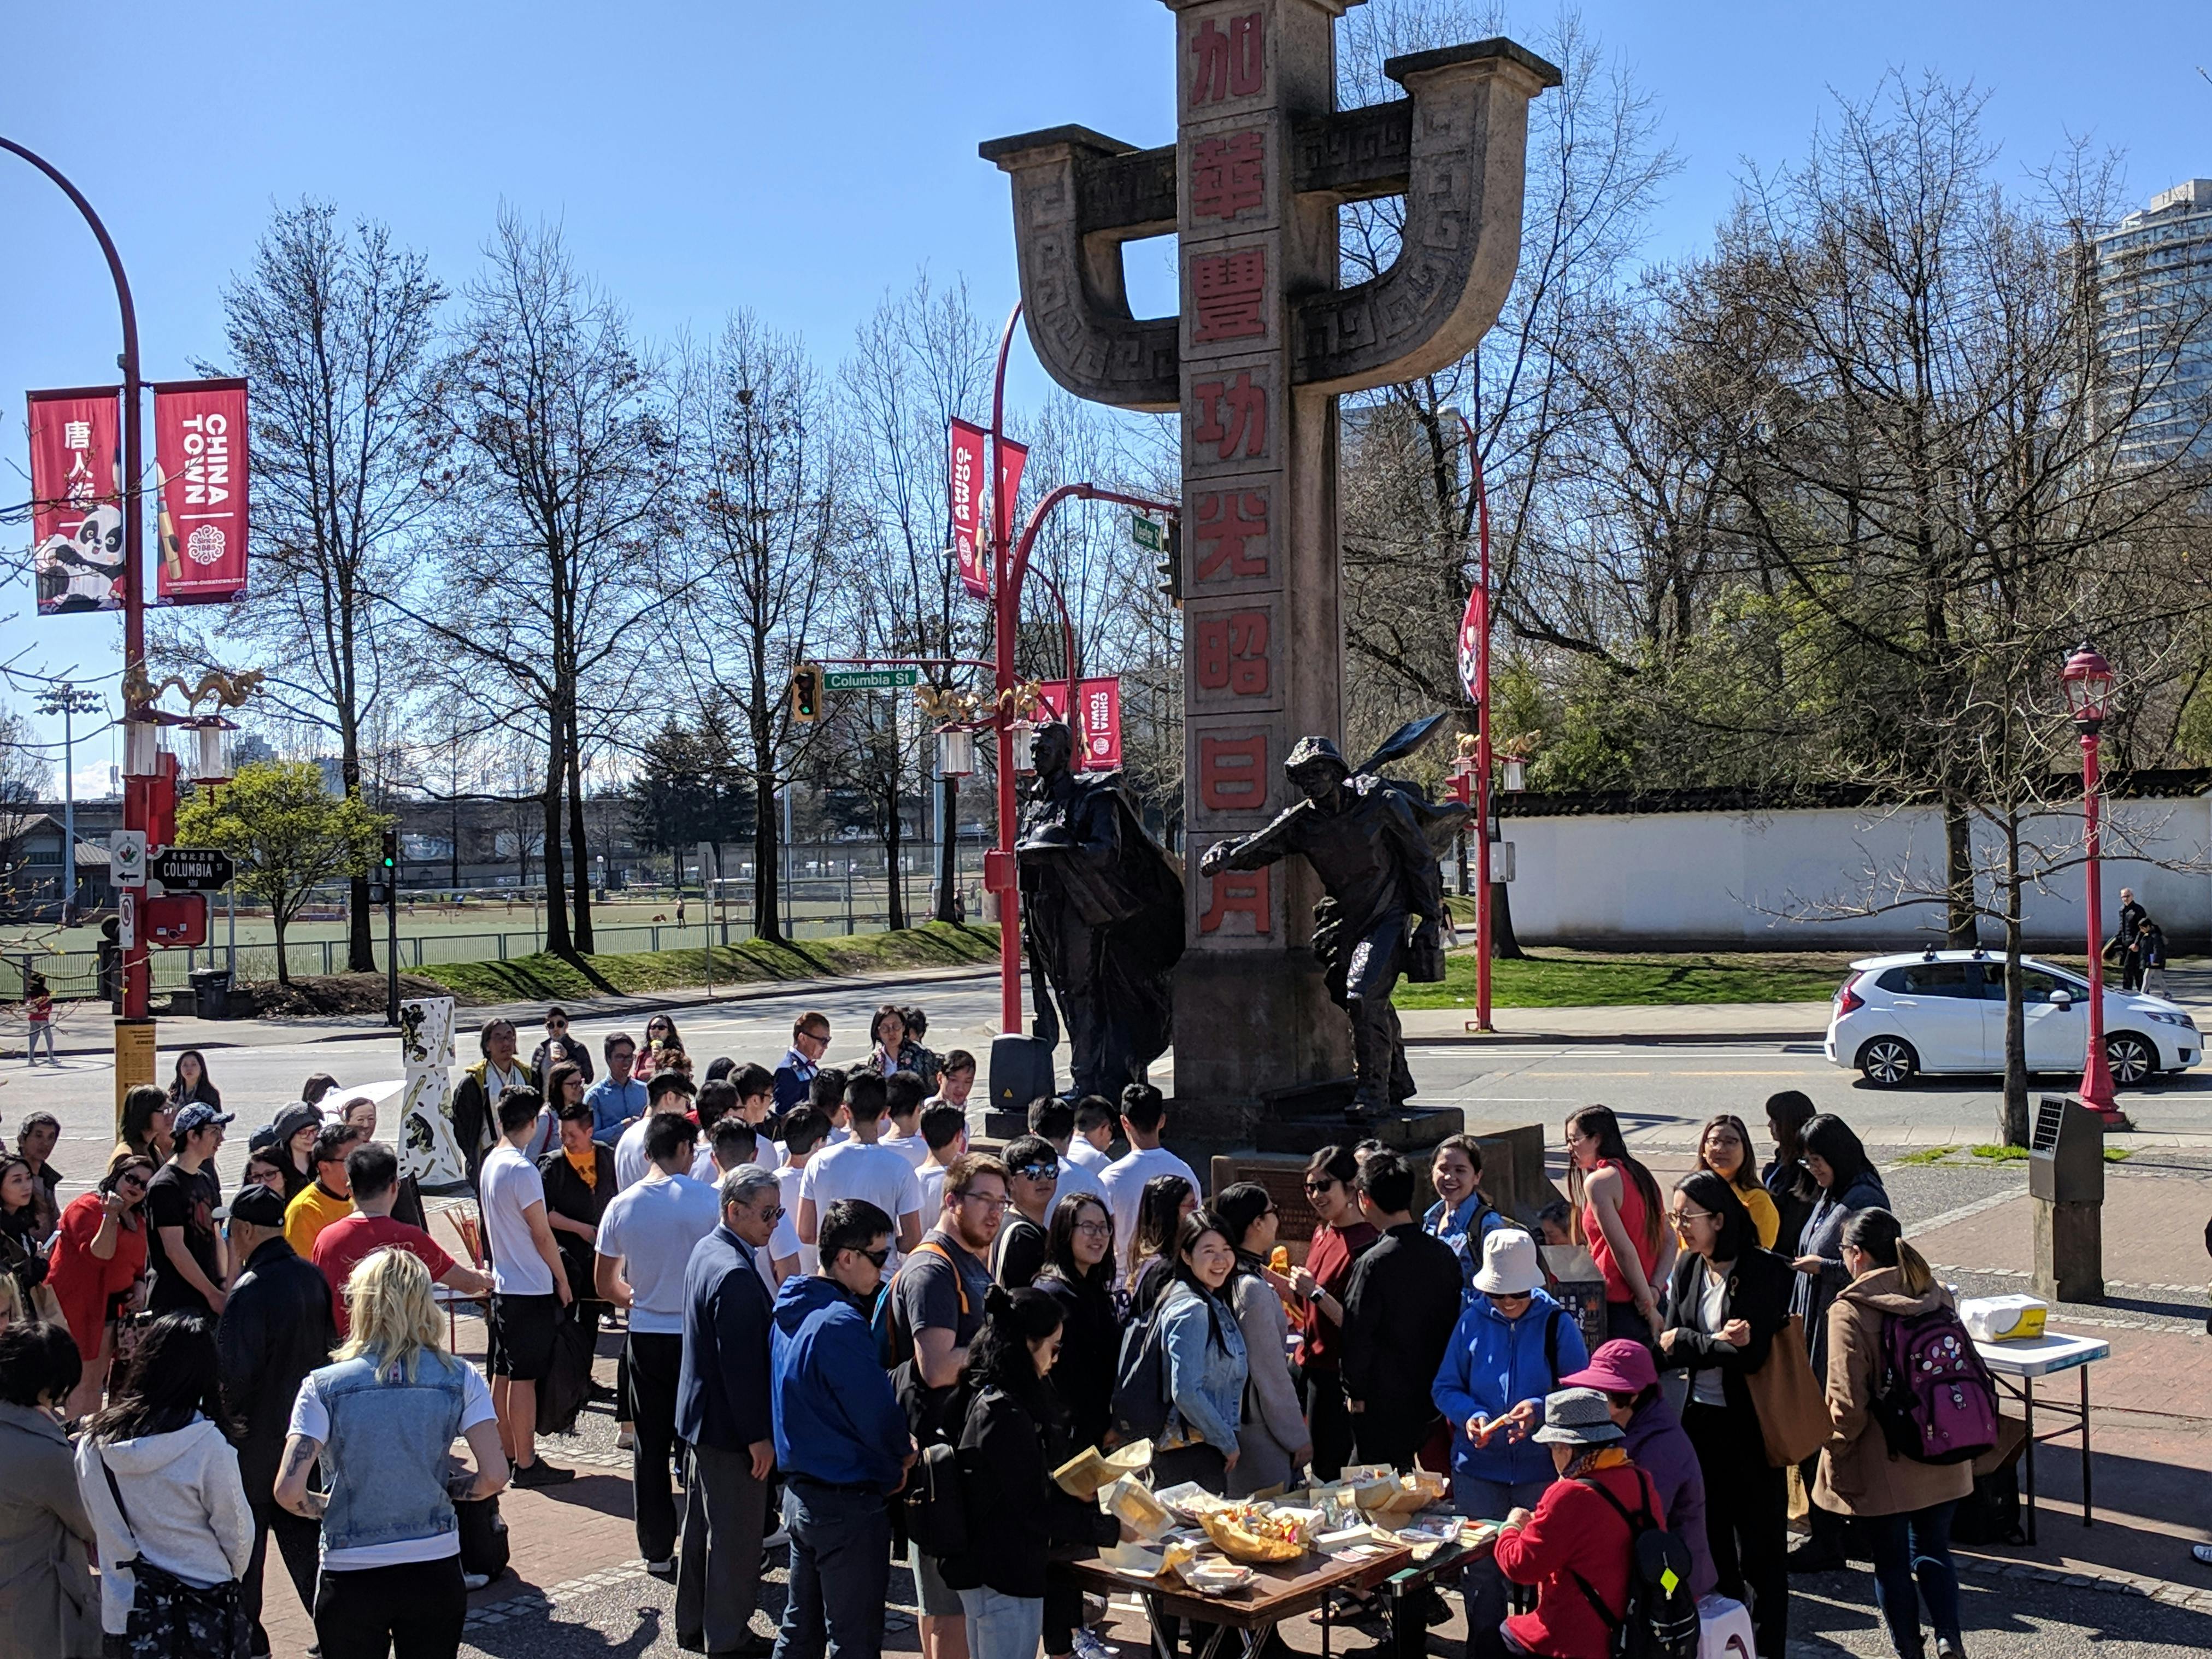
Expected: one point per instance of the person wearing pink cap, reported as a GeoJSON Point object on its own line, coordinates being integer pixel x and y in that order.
{"type": "Point", "coordinates": [1625, 1372]}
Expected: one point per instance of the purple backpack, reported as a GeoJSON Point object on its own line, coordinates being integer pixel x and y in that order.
{"type": "Point", "coordinates": [1936, 1402]}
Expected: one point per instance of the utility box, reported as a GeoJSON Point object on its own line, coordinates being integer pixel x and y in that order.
{"type": "Point", "coordinates": [2066, 1179]}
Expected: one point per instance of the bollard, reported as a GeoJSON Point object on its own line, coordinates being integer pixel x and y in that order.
{"type": "Point", "coordinates": [2066, 1179]}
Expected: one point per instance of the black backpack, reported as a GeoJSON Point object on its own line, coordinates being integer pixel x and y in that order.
{"type": "Point", "coordinates": [936, 1507]}
{"type": "Point", "coordinates": [1141, 1400]}
{"type": "Point", "coordinates": [1660, 1621]}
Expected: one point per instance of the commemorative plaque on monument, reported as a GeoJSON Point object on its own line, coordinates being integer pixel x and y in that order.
{"type": "Point", "coordinates": [1265, 340]}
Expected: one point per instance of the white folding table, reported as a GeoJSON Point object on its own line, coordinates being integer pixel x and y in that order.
{"type": "Point", "coordinates": [2017, 1364]}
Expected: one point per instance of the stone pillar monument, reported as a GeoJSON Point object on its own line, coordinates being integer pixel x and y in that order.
{"type": "Point", "coordinates": [1265, 342]}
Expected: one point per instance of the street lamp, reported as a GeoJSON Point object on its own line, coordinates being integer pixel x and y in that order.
{"type": "Point", "coordinates": [2087, 679]}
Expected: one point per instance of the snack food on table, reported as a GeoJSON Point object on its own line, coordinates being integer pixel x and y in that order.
{"type": "Point", "coordinates": [1253, 1538]}
{"type": "Point", "coordinates": [1214, 1577]}
{"type": "Point", "coordinates": [1130, 1500]}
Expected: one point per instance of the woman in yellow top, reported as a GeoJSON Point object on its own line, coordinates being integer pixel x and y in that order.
{"type": "Point", "coordinates": [1724, 1147]}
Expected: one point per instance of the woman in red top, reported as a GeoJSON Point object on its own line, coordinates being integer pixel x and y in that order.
{"type": "Point", "coordinates": [1574, 1533]}
{"type": "Point", "coordinates": [100, 1255]}
{"type": "Point", "coordinates": [1617, 1204]}
{"type": "Point", "coordinates": [1342, 1238]}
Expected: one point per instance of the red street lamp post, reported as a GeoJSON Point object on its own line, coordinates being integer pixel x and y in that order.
{"type": "Point", "coordinates": [1010, 569]}
{"type": "Point", "coordinates": [1479, 688]}
{"type": "Point", "coordinates": [2087, 678]}
{"type": "Point", "coordinates": [135, 815]}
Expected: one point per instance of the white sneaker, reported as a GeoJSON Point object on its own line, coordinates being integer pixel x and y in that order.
{"type": "Point", "coordinates": [2202, 1552]}
{"type": "Point", "coordinates": [474, 1580]}
{"type": "Point", "coordinates": [1086, 1645]}
{"type": "Point", "coordinates": [625, 1439]}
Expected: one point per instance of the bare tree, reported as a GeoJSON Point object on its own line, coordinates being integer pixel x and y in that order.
{"type": "Point", "coordinates": [551, 566]}
{"type": "Point", "coordinates": [333, 328]}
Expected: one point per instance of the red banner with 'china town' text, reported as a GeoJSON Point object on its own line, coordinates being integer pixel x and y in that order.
{"type": "Point", "coordinates": [76, 499]}
{"type": "Point", "coordinates": [199, 456]}
{"type": "Point", "coordinates": [1096, 719]}
{"type": "Point", "coordinates": [971, 537]}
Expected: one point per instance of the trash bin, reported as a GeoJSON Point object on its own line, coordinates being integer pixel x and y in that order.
{"type": "Point", "coordinates": [212, 992]}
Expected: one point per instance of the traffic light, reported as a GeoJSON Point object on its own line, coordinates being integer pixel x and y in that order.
{"type": "Point", "coordinates": [805, 694]}
{"type": "Point", "coordinates": [385, 889]}
{"type": "Point", "coordinates": [390, 862]}
{"type": "Point", "coordinates": [1169, 564]}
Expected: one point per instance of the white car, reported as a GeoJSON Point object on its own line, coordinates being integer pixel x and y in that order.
{"type": "Point", "coordinates": [1944, 1010]}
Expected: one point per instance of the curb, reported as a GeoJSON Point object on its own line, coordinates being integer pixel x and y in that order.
{"type": "Point", "coordinates": [1638, 1039]}
{"type": "Point", "coordinates": [2110, 1580]}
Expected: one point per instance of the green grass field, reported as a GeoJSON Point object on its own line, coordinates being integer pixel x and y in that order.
{"type": "Point", "coordinates": [1565, 979]}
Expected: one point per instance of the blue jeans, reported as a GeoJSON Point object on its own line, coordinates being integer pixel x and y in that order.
{"type": "Point", "coordinates": [841, 1571]}
{"type": "Point", "coordinates": [1482, 1584]}
{"type": "Point", "coordinates": [41, 1030]}
{"type": "Point", "coordinates": [1001, 1626]}
{"type": "Point", "coordinates": [1913, 1551]}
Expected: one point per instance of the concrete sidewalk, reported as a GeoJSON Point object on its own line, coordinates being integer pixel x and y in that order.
{"type": "Point", "coordinates": [1703, 1022]}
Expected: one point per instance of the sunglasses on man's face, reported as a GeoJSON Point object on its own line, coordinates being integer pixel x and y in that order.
{"type": "Point", "coordinates": [878, 1257]}
{"type": "Point", "coordinates": [1039, 1171]}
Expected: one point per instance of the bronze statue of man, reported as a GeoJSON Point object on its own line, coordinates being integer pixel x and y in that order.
{"type": "Point", "coordinates": [1369, 839]}
{"type": "Point", "coordinates": [1101, 918]}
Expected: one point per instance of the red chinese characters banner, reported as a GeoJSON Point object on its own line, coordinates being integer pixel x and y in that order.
{"type": "Point", "coordinates": [1095, 719]}
{"type": "Point", "coordinates": [77, 499]}
{"type": "Point", "coordinates": [199, 456]}
{"type": "Point", "coordinates": [965, 480]}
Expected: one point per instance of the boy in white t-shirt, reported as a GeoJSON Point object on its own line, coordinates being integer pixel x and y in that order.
{"type": "Point", "coordinates": [1094, 1133]}
{"type": "Point", "coordinates": [529, 1286]}
{"type": "Point", "coordinates": [1143, 1116]}
{"type": "Point", "coordinates": [902, 1093]}
{"type": "Point", "coordinates": [805, 1132]}
{"type": "Point", "coordinates": [860, 1168]}
{"type": "Point", "coordinates": [944, 1132]}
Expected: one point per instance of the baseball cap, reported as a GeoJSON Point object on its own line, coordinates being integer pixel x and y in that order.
{"type": "Point", "coordinates": [198, 1115]}
{"type": "Point", "coordinates": [255, 1205]}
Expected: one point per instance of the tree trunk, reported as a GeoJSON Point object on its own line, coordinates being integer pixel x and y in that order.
{"type": "Point", "coordinates": [361, 948]}
{"type": "Point", "coordinates": [1960, 933]}
{"type": "Point", "coordinates": [2012, 1111]}
{"type": "Point", "coordinates": [578, 839]}
{"type": "Point", "coordinates": [768, 918]}
{"type": "Point", "coordinates": [893, 839]}
{"type": "Point", "coordinates": [948, 853]}
{"type": "Point", "coordinates": [558, 939]}
{"type": "Point", "coordinates": [454, 852]}
{"type": "Point", "coordinates": [277, 920]}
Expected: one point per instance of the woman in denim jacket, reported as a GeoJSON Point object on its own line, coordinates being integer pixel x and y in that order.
{"type": "Point", "coordinates": [382, 1419]}
{"type": "Point", "coordinates": [1206, 1368]}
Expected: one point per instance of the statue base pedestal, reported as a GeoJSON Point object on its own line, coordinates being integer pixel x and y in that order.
{"type": "Point", "coordinates": [1312, 1119]}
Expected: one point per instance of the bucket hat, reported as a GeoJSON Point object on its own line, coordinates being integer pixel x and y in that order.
{"type": "Point", "coordinates": [1509, 1266]}
{"type": "Point", "coordinates": [1577, 1417]}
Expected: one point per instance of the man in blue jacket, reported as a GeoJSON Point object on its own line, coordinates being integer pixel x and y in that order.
{"type": "Point", "coordinates": [723, 1415]}
{"type": "Point", "coordinates": [841, 1440]}
{"type": "Point", "coordinates": [1512, 1345]}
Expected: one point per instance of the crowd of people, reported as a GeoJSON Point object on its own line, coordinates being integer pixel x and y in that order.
{"type": "Point", "coordinates": [841, 1325]}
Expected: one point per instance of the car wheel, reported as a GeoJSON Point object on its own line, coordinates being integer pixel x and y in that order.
{"type": "Point", "coordinates": [1887, 1061]}
{"type": "Point", "coordinates": [2131, 1058]}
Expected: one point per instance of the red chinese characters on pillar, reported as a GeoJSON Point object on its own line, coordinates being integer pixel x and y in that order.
{"type": "Point", "coordinates": [1232, 654]}
{"type": "Point", "coordinates": [1228, 521]}
{"type": "Point", "coordinates": [1232, 774]}
{"type": "Point", "coordinates": [1229, 296]}
{"type": "Point", "coordinates": [1232, 416]}
{"type": "Point", "coordinates": [1226, 176]}
{"type": "Point", "coordinates": [1227, 63]}
{"type": "Point", "coordinates": [1237, 893]}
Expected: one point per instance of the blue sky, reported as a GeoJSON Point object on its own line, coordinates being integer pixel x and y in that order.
{"type": "Point", "coordinates": [799, 158]}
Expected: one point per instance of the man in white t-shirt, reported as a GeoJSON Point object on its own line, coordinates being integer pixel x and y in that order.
{"type": "Point", "coordinates": [645, 1243]}
{"type": "Point", "coordinates": [902, 1093]}
{"type": "Point", "coordinates": [1094, 1133]}
{"type": "Point", "coordinates": [1143, 1116]}
{"type": "Point", "coordinates": [735, 1143]}
{"type": "Point", "coordinates": [954, 1080]}
{"type": "Point", "coordinates": [529, 1286]}
{"type": "Point", "coordinates": [669, 1091]}
{"type": "Point", "coordinates": [859, 1168]}
{"type": "Point", "coordinates": [944, 1132]}
{"type": "Point", "coordinates": [805, 1133]}
{"type": "Point", "coordinates": [1051, 1120]}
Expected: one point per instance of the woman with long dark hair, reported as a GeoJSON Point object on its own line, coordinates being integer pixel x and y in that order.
{"type": "Point", "coordinates": [1206, 1364]}
{"type": "Point", "coordinates": [1161, 1207]}
{"type": "Point", "coordinates": [1335, 1248]}
{"type": "Point", "coordinates": [99, 1257]}
{"type": "Point", "coordinates": [1617, 1216]}
{"type": "Point", "coordinates": [1904, 1505]}
{"type": "Point", "coordinates": [1272, 1442]}
{"type": "Point", "coordinates": [159, 1477]}
{"type": "Point", "coordinates": [191, 1083]}
{"type": "Point", "coordinates": [1727, 1302]}
{"type": "Point", "coordinates": [1839, 1181]}
{"type": "Point", "coordinates": [1784, 1177]}
{"type": "Point", "coordinates": [1078, 1274]}
{"type": "Point", "coordinates": [1724, 1148]}
{"type": "Point", "coordinates": [1011, 1430]}
{"type": "Point", "coordinates": [146, 1114]}
{"type": "Point", "coordinates": [19, 1227]}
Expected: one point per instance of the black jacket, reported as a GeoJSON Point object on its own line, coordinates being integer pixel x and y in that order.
{"type": "Point", "coordinates": [276, 1329]}
{"type": "Point", "coordinates": [566, 1195]}
{"type": "Point", "coordinates": [543, 1059]}
{"type": "Point", "coordinates": [1018, 1518]}
{"type": "Point", "coordinates": [1019, 1252]}
{"type": "Point", "coordinates": [1090, 1351]}
{"type": "Point", "coordinates": [1759, 1287]}
{"type": "Point", "coordinates": [1398, 1313]}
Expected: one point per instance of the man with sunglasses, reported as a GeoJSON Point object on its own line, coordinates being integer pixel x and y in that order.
{"type": "Point", "coordinates": [558, 1047]}
{"type": "Point", "coordinates": [1024, 1239]}
{"type": "Point", "coordinates": [840, 1440]}
{"type": "Point", "coordinates": [723, 1417]}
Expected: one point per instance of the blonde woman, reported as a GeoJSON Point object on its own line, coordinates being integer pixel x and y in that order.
{"type": "Point", "coordinates": [381, 1417]}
